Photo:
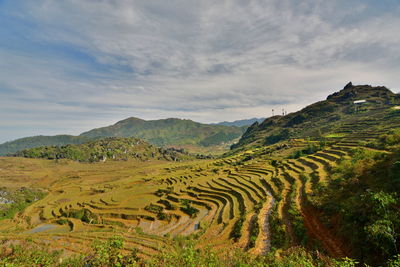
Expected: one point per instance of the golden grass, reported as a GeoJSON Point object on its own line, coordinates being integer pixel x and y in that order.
{"type": "Point", "coordinates": [117, 194]}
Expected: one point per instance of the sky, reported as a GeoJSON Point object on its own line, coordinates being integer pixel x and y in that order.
{"type": "Point", "coordinates": [67, 66]}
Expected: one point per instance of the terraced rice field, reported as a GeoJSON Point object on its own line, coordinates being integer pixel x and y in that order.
{"type": "Point", "coordinates": [229, 201]}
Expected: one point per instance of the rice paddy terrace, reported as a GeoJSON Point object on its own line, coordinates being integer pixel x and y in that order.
{"type": "Point", "coordinates": [254, 200]}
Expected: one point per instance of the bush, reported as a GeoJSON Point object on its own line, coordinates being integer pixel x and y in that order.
{"type": "Point", "coordinates": [188, 209]}
{"type": "Point", "coordinates": [275, 138]}
{"type": "Point", "coordinates": [236, 232]}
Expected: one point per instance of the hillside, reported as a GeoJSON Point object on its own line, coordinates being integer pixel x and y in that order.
{"type": "Point", "coordinates": [110, 148]}
{"type": "Point", "coordinates": [241, 123]}
{"type": "Point", "coordinates": [335, 116]}
{"type": "Point", "coordinates": [191, 135]}
{"type": "Point", "coordinates": [37, 141]}
{"type": "Point", "coordinates": [169, 132]}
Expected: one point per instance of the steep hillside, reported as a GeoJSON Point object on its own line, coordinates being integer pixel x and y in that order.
{"type": "Point", "coordinates": [240, 123]}
{"type": "Point", "coordinates": [169, 132]}
{"type": "Point", "coordinates": [337, 116]}
{"type": "Point", "coordinates": [110, 148]}
{"type": "Point", "coordinates": [37, 141]}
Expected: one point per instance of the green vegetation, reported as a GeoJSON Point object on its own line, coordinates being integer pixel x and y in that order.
{"type": "Point", "coordinates": [169, 132]}
{"type": "Point", "coordinates": [335, 117]}
{"type": "Point", "coordinates": [275, 138]}
{"type": "Point", "coordinates": [38, 141]}
{"type": "Point", "coordinates": [110, 253]}
{"type": "Point", "coordinates": [236, 232]}
{"type": "Point", "coordinates": [299, 229]}
{"type": "Point", "coordinates": [254, 232]}
{"type": "Point", "coordinates": [165, 132]}
{"type": "Point", "coordinates": [335, 135]}
{"type": "Point", "coordinates": [310, 149]}
{"type": "Point", "coordinates": [363, 194]}
{"type": "Point", "coordinates": [386, 141]}
{"type": "Point", "coordinates": [277, 229]}
{"type": "Point", "coordinates": [188, 209]}
{"type": "Point", "coordinates": [14, 201]}
{"type": "Point", "coordinates": [84, 215]}
{"type": "Point", "coordinates": [106, 148]}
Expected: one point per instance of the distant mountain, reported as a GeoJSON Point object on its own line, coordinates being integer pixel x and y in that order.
{"type": "Point", "coordinates": [164, 132]}
{"type": "Point", "coordinates": [241, 123]}
{"type": "Point", "coordinates": [170, 132]}
{"type": "Point", "coordinates": [36, 141]}
{"type": "Point", "coordinates": [110, 148]}
{"type": "Point", "coordinates": [360, 109]}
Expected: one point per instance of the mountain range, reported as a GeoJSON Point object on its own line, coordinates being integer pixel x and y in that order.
{"type": "Point", "coordinates": [240, 123]}
{"type": "Point", "coordinates": [163, 132]}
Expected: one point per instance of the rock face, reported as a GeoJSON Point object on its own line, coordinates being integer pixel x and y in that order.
{"type": "Point", "coordinates": [3, 198]}
{"type": "Point", "coordinates": [352, 93]}
{"type": "Point", "coordinates": [5, 201]}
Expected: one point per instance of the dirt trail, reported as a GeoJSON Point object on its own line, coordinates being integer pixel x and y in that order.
{"type": "Point", "coordinates": [263, 243]}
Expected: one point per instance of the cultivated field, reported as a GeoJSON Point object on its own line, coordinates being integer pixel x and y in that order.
{"type": "Point", "coordinates": [255, 200]}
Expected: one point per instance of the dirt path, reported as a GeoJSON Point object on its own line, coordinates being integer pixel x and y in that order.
{"type": "Point", "coordinates": [263, 243]}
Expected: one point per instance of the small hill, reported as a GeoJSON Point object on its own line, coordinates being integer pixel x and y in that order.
{"type": "Point", "coordinates": [171, 131]}
{"type": "Point", "coordinates": [110, 148]}
{"type": "Point", "coordinates": [360, 109]}
{"type": "Point", "coordinates": [241, 123]}
{"type": "Point", "coordinates": [37, 141]}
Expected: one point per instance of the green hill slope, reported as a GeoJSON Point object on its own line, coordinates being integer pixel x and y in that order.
{"type": "Point", "coordinates": [110, 148]}
{"type": "Point", "coordinates": [240, 123]}
{"type": "Point", "coordinates": [337, 116]}
{"type": "Point", "coordinates": [165, 132]}
{"type": "Point", "coordinates": [37, 141]}
{"type": "Point", "coordinates": [169, 132]}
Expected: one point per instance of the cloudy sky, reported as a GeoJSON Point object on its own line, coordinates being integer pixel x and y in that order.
{"type": "Point", "coordinates": [67, 66]}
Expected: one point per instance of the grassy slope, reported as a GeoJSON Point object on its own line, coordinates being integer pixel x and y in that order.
{"type": "Point", "coordinates": [335, 116]}
{"type": "Point", "coordinates": [36, 141]}
{"type": "Point", "coordinates": [169, 132]}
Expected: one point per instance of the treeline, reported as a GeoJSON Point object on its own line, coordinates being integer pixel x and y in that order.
{"type": "Point", "coordinates": [110, 148]}
{"type": "Point", "coordinates": [38, 141]}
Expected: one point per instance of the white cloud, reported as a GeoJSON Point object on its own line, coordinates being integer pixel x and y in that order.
{"type": "Point", "coordinates": [101, 61]}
